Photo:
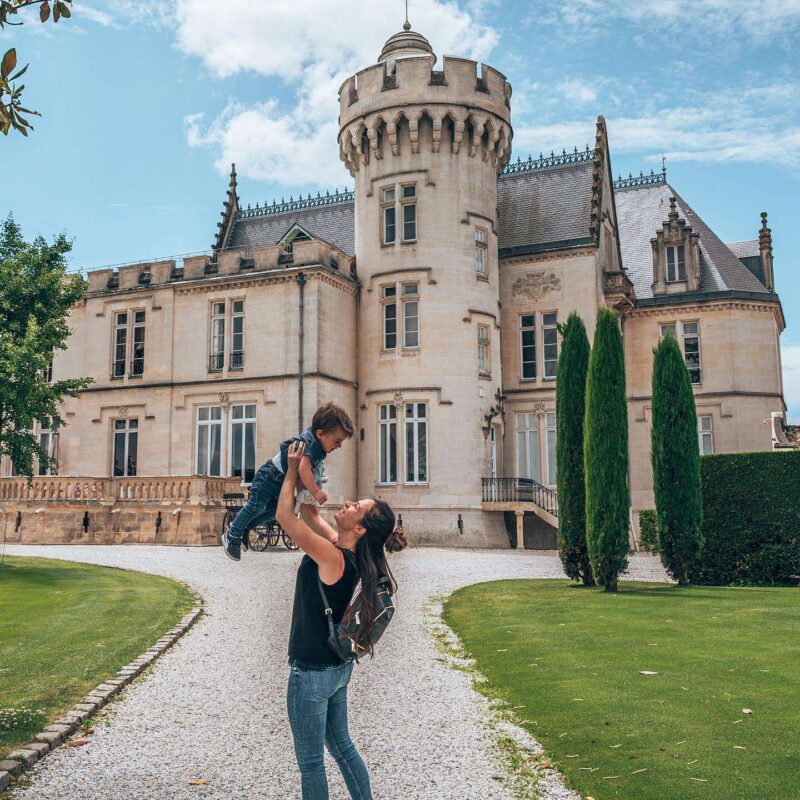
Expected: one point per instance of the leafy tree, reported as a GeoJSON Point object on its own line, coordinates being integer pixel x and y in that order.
{"type": "Point", "coordinates": [36, 295]}
{"type": "Point", "coordinates": [12, 112]}
{"type": "Point", "coordinates": [606, 453]}
{"type": "Point", "coordinates": [675, 453]}
{"type": "Point", "coordinates": [573, 365]}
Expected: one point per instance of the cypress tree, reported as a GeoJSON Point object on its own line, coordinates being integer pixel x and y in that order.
{"type": "Point", "coordinates": [606, 453]}
{"type": "Point", "coordinates": [675, 453]}
{"type": "Point", "coordinates": [573, 365]}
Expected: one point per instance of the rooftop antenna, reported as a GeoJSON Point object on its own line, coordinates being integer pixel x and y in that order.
{"type": "Point", "coordinates": [406, 24]}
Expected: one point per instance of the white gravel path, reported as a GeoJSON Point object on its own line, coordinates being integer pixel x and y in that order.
{"type": "Point", "coordinates": [213, 707]}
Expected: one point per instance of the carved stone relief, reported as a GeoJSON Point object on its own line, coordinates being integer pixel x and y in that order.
{"type": "Point", "coordinates": [535, 285]}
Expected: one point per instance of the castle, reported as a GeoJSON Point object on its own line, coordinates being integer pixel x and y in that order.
{"type": "Point", "coordinates": [427, 302]}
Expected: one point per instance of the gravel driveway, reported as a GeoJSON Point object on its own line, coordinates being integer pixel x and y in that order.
{"type": "Point", "coordinates": [213, 707]}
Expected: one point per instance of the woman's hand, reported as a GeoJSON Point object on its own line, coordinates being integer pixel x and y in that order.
{"type": "Point", "coordinates": [295, 455]}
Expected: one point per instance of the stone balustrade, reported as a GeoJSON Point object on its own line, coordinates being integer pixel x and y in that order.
{"type": "Point", "coordinates": [191, 490]}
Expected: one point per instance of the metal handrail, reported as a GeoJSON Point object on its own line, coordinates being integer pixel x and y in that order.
{"type": "Point", "coordinates": [519, 490]}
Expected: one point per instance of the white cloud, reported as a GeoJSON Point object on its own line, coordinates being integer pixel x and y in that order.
{"type": "Point", "coordinates": [306, 44]}
{"type": "Point", "coordinates": [754, 20]}
{"type": "Point", "coordinates": [269, 145]}
{"type": "Point", "coordinates": [578, 92]}
{"type": "Point", "coordinates": [753, 125]}
{"type": "Point", "coordinates": [790, 353]}
{"type": "Point", "coordinates": [94, 15]}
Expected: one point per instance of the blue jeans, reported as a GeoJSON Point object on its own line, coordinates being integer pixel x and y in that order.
{"type": "Point", "coordinates": [317, 701]}
{"type": "Point", "coordinates": [262, 502]}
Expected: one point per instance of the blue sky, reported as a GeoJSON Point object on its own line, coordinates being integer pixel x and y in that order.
{"type": "Point", "coordinates": [146, 103]}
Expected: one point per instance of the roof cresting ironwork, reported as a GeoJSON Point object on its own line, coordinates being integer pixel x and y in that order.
{"type": "Point", "coordinates": [327, 199]}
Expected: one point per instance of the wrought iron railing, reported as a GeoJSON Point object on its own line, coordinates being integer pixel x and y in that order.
{"type": "Point", "coordinates": [553, 160]}
{"type": "Point", "coordinates": [637, 181]}
{"type": "Point", "coordinates": [520, 490]}
{"type": "Point", "coordinates": [327, 199]}
{"type": "Point", "coordinates": [216, 361]}
{"type": "Point", "coordinates": [237, 360]}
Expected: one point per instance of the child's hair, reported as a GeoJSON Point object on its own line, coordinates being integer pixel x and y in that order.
{"type": "Point", "coordinates": [330, 417]}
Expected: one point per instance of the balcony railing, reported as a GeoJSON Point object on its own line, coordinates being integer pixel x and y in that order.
{"type": "Point", "coordinates": [237, 360]}
{"type": "Point", "coordinates": [520, 490]}
{"type": "Point", "coordinates": [216, 361]}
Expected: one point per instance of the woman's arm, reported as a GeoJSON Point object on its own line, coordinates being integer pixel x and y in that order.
{"type": "Point", "coordinates": [312, 518]}
{"type": "Point", "coordinates": [325, 553]}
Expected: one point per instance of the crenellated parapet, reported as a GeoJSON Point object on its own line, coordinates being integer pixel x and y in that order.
{"type": "Point", "coordinates": [406, 103]}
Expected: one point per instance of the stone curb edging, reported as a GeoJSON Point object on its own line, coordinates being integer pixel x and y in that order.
{"type": "Point", "coordinates": [65, 726]}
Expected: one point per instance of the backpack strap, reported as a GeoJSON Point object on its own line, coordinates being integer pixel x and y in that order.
{"type": "Point", "coordinates": [325, 603]}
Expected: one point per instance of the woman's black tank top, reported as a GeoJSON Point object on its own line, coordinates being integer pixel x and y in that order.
{"type": "Point", "coordinates": [309, 632]}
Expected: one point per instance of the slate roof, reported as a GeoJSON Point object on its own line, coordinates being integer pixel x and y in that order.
{"type": "Point", "coordinates": [744, 249]}
{"type": "Point", "coordinates": [642, 211]}
{"type": "Point", "coordinates": [544, 206]}
{"type": "Point", "coordinates": [334, 223]}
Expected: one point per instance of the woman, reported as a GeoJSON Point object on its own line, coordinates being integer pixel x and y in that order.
{"type": "Point", "coordinates": [317, 693]}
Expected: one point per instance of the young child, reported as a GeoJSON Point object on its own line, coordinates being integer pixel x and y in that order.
{"type": "Point", "coordinates": [330, 426]}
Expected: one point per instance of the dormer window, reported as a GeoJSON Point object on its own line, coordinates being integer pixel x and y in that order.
{"type": "Point", "coordinates": [676, 255]}
{"type": "Point", "coordinates": [676, 263]}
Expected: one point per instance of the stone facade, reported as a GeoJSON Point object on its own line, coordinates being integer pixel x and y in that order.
{"type": "Point", "coordinates": [426, 303]}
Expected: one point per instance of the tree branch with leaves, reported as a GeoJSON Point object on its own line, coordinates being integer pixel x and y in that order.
{"type": "Point", "coordinates": [12, 113]}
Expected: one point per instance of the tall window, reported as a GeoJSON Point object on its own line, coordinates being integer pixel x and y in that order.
{"type": "Point", "coordinates": [46, 444]}
{"type": "Point", "coordinates": [389, 216]}
{"type": "Point", "coordinates": [688, 336]}
{"type": "Point", "coordinates": [126, 446]}
{"type": "Point", "coordinates": [527, 446]}
{"type": "Point", "coordinates": [528, 345]}
{"type": "Point", "coordinates": [550, 422]}
{"type": "Point", "coordinates": [484, 350]}
{"type": "Point", "coordinates": [387, 444]}
{"type": "Point", "coordinates": [237, 334]}
{"type": "Point", "coordinates": [550, 339]}
{"type": "Point", "coordinates": [409, 205]}
{"type": "Point", "coordinates": [389, 298]}
{"type": "Point", "coordinates": [691, 350]}
{"type": "Point", "coordinates": [120, 344]}
{"type": "Point", "coordinates": [243, 442]}
{"type": "Point", "coordinates": [217, 357]}
{"type": "Point", "coordinates": [705, 433]}
{"type": "Point", "coordinates": [416, 443]}
{"type": "Point", "coordinates": [209, 441]}
{"type": "Point", "coordinates": [137, 360]}
{"type": "Point", "coordinates": [481, 244]}
{"type": "Point", "coordinates": [676, 263]}
{"type": "Point", "coordinates": [410, 315]}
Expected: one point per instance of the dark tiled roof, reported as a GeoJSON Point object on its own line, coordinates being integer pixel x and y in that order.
{"type": "Point", "coordinates": [642, 212]}
{"type": "Point", "coordinates": [334, 223]}
{"type": "Point", "coordinates": [744, 249]}
{"type": "Point", "coordinates": [544, 206]}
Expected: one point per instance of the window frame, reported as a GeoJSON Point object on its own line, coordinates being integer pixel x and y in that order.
{"type": "Point", "coordinates": [677, 329]}
{"type": "Point", "coordinates": [387, 467]}
{"type": "Point", "coordinates": [523, 329]}
{"type": "Point", "coordinates": [675, 251]}
{"type": "Point", "coordinates": [119, 366]}
{"type": "Point", "coordinates": [243, 422]}
{"type": "Point", "coordinates": [128, 429]}
{"type": "Point", "coordinates": [481, 252]}
{"type": "Point", "coordinates": [216, 356]}
{"type": "Point", "coordinates": [551, 447]}
{"type": "Point", "coordinates": [236, 359]}
{"type": "Point", "coordinates": [484, 351]}
{"type": "Point", "coordinates": [409, 202]}
{"type": "Point", "coordinates": [386, 206]}
{"type": "Point", "coordinates": [408, 299]}
{"type": "Point", "coordinates": [547, 328]}
{"type": "Point", "coordinates": [209, 424]}
{"type": "Point", "coordinates": [389, 301]}
{"type": "Point", "coordinates": [417, 423]}
{"type": "Point", "coordinates": [532, 456]}
{"type": "Point", "coordinates": [137, 327]}
{"type": "Point", "coordinates": [702, 433]}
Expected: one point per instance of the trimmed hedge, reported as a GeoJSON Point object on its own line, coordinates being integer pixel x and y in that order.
{"type": "Point", "coordinates": [751, 522]}
{"type": "Point", "coordinates": [648, 530]}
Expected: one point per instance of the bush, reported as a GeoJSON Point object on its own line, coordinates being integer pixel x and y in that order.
{"type": "Point", "coordinates": [606, 453]}
{"type": "Point", "coordinates": [573, 365]}
{"type": "Point", "coordinates": [648, 530]}
{"type": "Point", "coordinates": [751, 525]}
{"type": "Point", "coordinates": [675, 456]}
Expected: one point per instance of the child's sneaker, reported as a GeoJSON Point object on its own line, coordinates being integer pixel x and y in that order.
{"type": "Point", "coordinates": [232, 547]}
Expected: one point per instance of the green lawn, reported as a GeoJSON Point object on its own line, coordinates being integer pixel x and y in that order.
{"type": "Point", "coordinates": [573, 657]}
{"type": "Point", "coordinates": [66, 627]}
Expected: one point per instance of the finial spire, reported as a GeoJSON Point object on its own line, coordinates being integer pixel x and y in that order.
{"type": "Point", "coordinates": [406, 24]}
{"type": "Point", "coordinates": [664, 165]}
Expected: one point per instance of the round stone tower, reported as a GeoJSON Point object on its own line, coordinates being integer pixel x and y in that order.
{"type": "Point", "coordinates": [425, 147]}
